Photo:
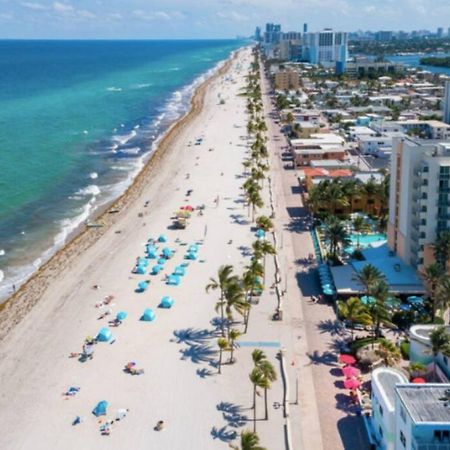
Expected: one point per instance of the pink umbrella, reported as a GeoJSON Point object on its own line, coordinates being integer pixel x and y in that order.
{"type": "Point", "coordinates": [350, 371]}
{"type": "Point", "coordinates": [347, 359]}
{"type": "Point", "coordinates": [352, 383]}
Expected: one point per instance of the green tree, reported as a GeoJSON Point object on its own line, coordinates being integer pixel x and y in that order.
{"type": "Point", "coordinates": [265, 223]}
{"type": "Point", "coordinates": [432, 275]}
{"type": "Point", "coordinates": [361, 227]}
{"type": "Point", "coordinates": [442, 249]}
{"type": "Point", "coordinates": [249, 441]}
{"type": "Point", "coordinates": [388, 352]}
{"type": "Point", "coordinates": [261, 249]}
{"type": "Point", "coordinates": [378, 310]}
{"type": "Point", "coordinates": [223, 346]}
{"type": "Point", "coordinates": [259, 381]}
{"type": "Point", "coordinates": [336, 236]}
{"type": "Point", "coordinates": [353, 311]}
{"type": "Point", "coordinates": [234, 301]}
{"type": "Point", "coordinates": [440, 342]}
{"type": "Point", "coordinates": [442, 294]}
{"type": "Point", "coordinates": [233, 337]}
{"type": "Point", "coordinates": [368, 276]}
{"type": "Point", "coordinates": [225, 277]}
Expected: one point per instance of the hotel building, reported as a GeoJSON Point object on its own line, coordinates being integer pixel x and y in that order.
{"type": "Point", "coordinates": [419, 204]}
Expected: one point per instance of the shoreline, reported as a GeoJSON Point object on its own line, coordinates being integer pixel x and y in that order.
{"type": "Point", "coordinates": [15, 307]}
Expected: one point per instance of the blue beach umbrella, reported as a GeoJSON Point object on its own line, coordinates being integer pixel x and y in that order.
{"type": "Point", "coordinates": [193, 248]}
{"type": "Point", "coordinates": [167, 253]}
{"type": "Point", "coordinates": [142, 262]}
{"type": "Point", "coordinates": [328, 291]}
{"type": "Point", "coordinates": [179, 270]}
{"type": "Point", "coordinates": [121, 315]}
{"type": "Point", "coordinates": [405, 307]}
{"type": "Point", "coordinates": [166, 302]}
{"type": "Point", "coordinates": [192, 256]}
{"type": "Point", "coordinates": [152, 254]}
{"type": "Point", "coordinates": [141, 270]}
{"type": "Point", "coordinates": [173, 280]}
{"type": "Point", "coordinates": [100, 408]}
{"type": "Point", "coordinates": [142, 286]}
{"type": "Point", "coordinates": [148, 315]}
{"type": "Point", "coordinates": [104, 335]}
{"type": "Point", "coordinates": [415, 300]}
{"type": "Point", "coordinates": [162, 238]}
{"type": "Point", "coordinates": [367, 300]}
{"type": "Point", "coordinates": [161, 261]}
{"type": "Point", "coordinates": [156, 269]}
{"type": "Point", "coordinates": [260, 233]}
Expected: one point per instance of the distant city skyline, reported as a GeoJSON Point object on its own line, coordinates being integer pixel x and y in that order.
{"type": "Point", "coordinates": [138, 19]}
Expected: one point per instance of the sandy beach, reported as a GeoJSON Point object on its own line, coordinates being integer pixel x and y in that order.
{"type": "Point", "coordinates": [178, 350]}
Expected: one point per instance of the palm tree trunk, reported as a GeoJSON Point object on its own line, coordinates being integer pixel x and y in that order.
{"type": "Point", "coordinates": [222, 317]}
{"type": "Point", "coordinates": [254, 408]}
{"type": "Point", "coordinates": [231, 352]}
{"type": "Point", "coordinates": [220, 360]}
{"type": "Point", "coordinates": [266, 414]}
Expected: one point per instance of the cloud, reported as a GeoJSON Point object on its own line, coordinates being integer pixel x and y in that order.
{"type": "Point", "coordinates": [157, 15]}
{"type": "Point", "coordinates": [6, 16]}
{"type": "Point", "coordinates": [63, 7]}
{"type": "Point", "coordinates": [33, 6]}
{"type": "Point", "coordinates": [84, 14]}
{"type": "Point", "coordinates": [232, 15]}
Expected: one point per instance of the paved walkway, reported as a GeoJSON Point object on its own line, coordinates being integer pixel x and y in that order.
{"type": "Point", "coordinates": [320, 393]}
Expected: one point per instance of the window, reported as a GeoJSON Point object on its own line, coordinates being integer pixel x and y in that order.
{"type": "Point", "coordinates": [403, 439]}
{"type": "Point", "coordinates": [445, 360]}
{"type": "Point", "coordinates": [380, 430]}
{"type": "Point", "coordinates": [381, 410]}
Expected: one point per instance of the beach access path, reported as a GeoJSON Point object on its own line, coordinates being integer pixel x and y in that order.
{"type": "Point", "coordinates": [327, 420]}
{"type": "Point", "coordinates": [178, 351]}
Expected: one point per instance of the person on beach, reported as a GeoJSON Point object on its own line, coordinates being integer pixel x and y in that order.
{"type": "Point", "coordinates": [71, 392]}
{"type": "Point", "coordinates": [121, 413]}
{"type": "Point", "coordinates": [76, 421]}
{"type": "Point", "coordinates": [159, 425]}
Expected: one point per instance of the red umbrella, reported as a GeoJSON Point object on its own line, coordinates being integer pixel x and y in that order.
{"type": "Point", "coordinates": [350, 371]}
{"type": "Point", "coordinates": [419, 380]}
{"type": "Point", "coordinates": [189, 208]}
{"type": "Point", "coordinates": [352, 383]}
{"type": "Point", "coordinates": [347, 359]}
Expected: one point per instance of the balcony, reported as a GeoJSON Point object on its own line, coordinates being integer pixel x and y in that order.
{"type": "Point", "coordinates": [434, 444]}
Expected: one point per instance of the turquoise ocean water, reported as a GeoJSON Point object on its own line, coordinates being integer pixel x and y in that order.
{"type": "Point", "coordinates": [77, 119]}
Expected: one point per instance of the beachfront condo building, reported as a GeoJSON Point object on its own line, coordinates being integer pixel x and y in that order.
{"type": "Point", "coordinates": [419, 205]}
{"type": "Point", "coordinates": [408, 416]}
{"type": "Point", "coordinates": [287, 79]}
{"type": "Point", "coordinates": [328, 48]}
{"type": "Point", "coordinates": [447, 102]}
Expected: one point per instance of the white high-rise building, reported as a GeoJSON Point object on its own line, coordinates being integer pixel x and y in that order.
{"type": "Point", "coordinates": [325, 47]}
{"type": "Point", "coordinates": [447, 102]}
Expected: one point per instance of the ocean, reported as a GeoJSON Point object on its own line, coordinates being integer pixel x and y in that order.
{"type": "Point", "coordinates": [413, 60]}
{"type": "Point", "coordinates": [77, 121]}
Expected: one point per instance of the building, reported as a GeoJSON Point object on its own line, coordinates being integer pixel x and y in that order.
{"type": "Point", "coordinates": [287, 79]}
{"type": "Point", "coordinates": [366, 68]}
{"type": "Point", "coordinates": [305, 28]}
{"type": "Point", "coordinates": [440, 32]}
{"type": "Point", "coordinates": [446, 102]}
{"type": "Point", "coordinates": [272, 34]}
{"type": "Point", "coordinates": [408, 416]}
{"type": "Point", "coordinates": [326, 48]}
{"type": "Point", "coordinates": [383, 36]}
{"type": "Point", "coordinates": [419, 205]}
{"type": "Point", "coordinates": [258, 37]}
{"type": "Point", "coordinates": [427, 129]}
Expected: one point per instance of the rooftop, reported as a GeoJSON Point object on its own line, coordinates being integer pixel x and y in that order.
{"type": "Point", "coordinates": [426, 402]}
{"type": "Point", "coordinates": [386, 379]}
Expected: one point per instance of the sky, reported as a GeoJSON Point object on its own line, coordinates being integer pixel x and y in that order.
{"type": "Point", "coordinates": [165, 19]}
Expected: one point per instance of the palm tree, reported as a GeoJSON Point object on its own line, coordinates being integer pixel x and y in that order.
{"type": "Point", "coordinates": [255, 201]}
{"type": "Point", "coordinates": [368, 276]}
{"type": "Point", "coordinates": [233, 336]}
{"type": "Point", "coordinates": [361, 227]}
{"type": "Point", "coordinates": [234, 301]}
{"type": "Point", "coordinates": [270, 374]}
{"type": "Point", "coordinates": [337, 199]}
{"type": "Point", "coordinates": [261, 249]}
{"type": "Point", "coordinates": [440, 342]}
{"type": "Point", "coordinates": [250, 282]}
{"type": "Point", "coordinates": [259, 381]}
{"type": "Point", "coordinates": [264, 222]}
{"type": "Point", "coordinates": [371, 189]}
{"type": "Point", "coordinates": [441, 297]}
{"type": "Point", "coordinates": [377, 310]}
{"type": "Point", "coordinates": [354, 311]}
{"type": "Point", "coordinates": [249, 441]}
{"type": "Point", "coordinates": [224, 278]}
{"type": "Point", "coordinates": [223, 346]}
{"type": "Point", "coordinates": [388, 352]}
{"type": "Point", "coordinates": [432, 274]}
{"type": "Point", "coordinates": [336, 235]}
{"type": "Point", "coordinates": [352, 190]}
{"type": "Point", "coordinates": [442, 248]}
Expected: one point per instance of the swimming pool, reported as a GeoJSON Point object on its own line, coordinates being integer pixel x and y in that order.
{"type": "Point", "coordinates": [367, 240]}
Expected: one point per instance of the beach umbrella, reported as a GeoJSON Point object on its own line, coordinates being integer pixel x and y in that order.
{"type": "Point", "coordinates": [179, 270]}
{"type": "Point", "coordinates": [140, 270]}
{"type": "Point", "coordinates": [415, 300]}
{"type": "Point", "coordinates": [152, 254]}
{"type": "Point", "coordinates": [162, 238]}
{"type": "Point", "coordinates": [104, 335]}
{"type": "Point", "coordinates": [189, 208]}
{"type": "Point", "coordinates": [167, 253]}
{"type": "Point", "coordinates": [260, 233]}
{"type": "Point", "coordinates": [121, 315]}
{"type": "Point", "coordinates": [142, 286]}
{"type": "Point", "coordinates": [393, 302]}
{"type": "Point", "coordinates": [161, 261]}
{"type": "Point", "coordinates": [347, 359]}
{"type": "Point", "coordinates": [142, 262]}
{"type": "Point", "coordinates": [352, 383]}
{"type": "Point", "coordinates": [100, 408]}
{"type": "Point", "coordinates": [193, 248]}
{"type": "Point", "coordinates": [405, 308]}
{"type": "Point", "coordinates": [192, 256]}
{"type": "Point", "coordinates": [328, 291]}
{"type": "Point", "coordinates": [350, 371]}
{"type": "Point", "coordinates": [166, 302]}
{"type": "Point", "coordinates": [156, 269]}
{"type": "Point", "coordinates": [148, 315]}
{"type": "Point", "coordinates": [367, 300]}
{"type": "Point", "coordinates": [173, 280]}
{"type": "Point", "coordinates": [419, 380]}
